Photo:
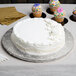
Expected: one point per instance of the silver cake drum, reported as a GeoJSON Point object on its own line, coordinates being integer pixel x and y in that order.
{"type": "Point", "coordinates": [12, 50]}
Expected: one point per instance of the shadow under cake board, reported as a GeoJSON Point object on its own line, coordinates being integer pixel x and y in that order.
{"type": "Point", "coordinates": [62, 23]}
{"type": "Point", "coordinates": [71, 18]}
{"type": "Point", "coordinates": [49, 11]}
{"type": "Point", "coordinates": [43, 15]}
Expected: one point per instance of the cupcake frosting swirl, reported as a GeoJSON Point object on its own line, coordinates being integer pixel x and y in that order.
{"type": "Point", "coordinates": [36, 8]}
{"type": "Point", "coordinates": [59, 13]}
{"type": "Point", "coordinates": [54, 3]}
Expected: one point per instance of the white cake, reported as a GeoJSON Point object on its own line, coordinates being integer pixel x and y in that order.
{"type": "Point", "coordinates": [38, 36]}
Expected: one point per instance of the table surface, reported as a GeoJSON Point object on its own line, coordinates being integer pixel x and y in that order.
{"type": "Point", "coordinates": [70, 59]}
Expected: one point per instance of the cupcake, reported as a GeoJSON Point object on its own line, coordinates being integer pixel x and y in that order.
{"type": "Point", "coordinates": [59, 14]}
{"type": "Point", "coordinates": [74, 13]}
{"type": "Point", "coordinates": [54, 4]}
{"type": "Point", "coordinates": [37, 10]}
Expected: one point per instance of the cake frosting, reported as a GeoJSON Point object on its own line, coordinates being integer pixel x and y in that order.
{"type": "Point", "coordinates": [38, 36]}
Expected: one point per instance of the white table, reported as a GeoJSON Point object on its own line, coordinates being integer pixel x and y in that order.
{"type": "Point", "coordinates": [69, 60]}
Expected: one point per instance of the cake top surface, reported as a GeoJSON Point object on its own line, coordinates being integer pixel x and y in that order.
{"type": "Point", "coordinates": [39, 31]}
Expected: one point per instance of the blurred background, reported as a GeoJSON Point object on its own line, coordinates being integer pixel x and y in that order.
{"type": "Point", "coordinates": [35, 1]}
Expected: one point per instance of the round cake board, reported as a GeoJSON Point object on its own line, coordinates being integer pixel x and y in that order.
{"type": "Point", "coordinates": [12, 50]}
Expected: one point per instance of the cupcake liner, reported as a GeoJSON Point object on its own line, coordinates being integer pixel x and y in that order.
{"type": "Point", "coordinates": [74, 16]}
{"type": "Point", "coordinates": [53, 9]}
{"type": "Point", "coordinates": [49, 11]}
{"type": "Point", "coordinates": [59, 19]}
{"type": "Point", "coordinates": [62, 23]}
{"type": "Point", "coordinates": [43, 15]}
{"type": "Point", "coordinates": [37, 14]}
